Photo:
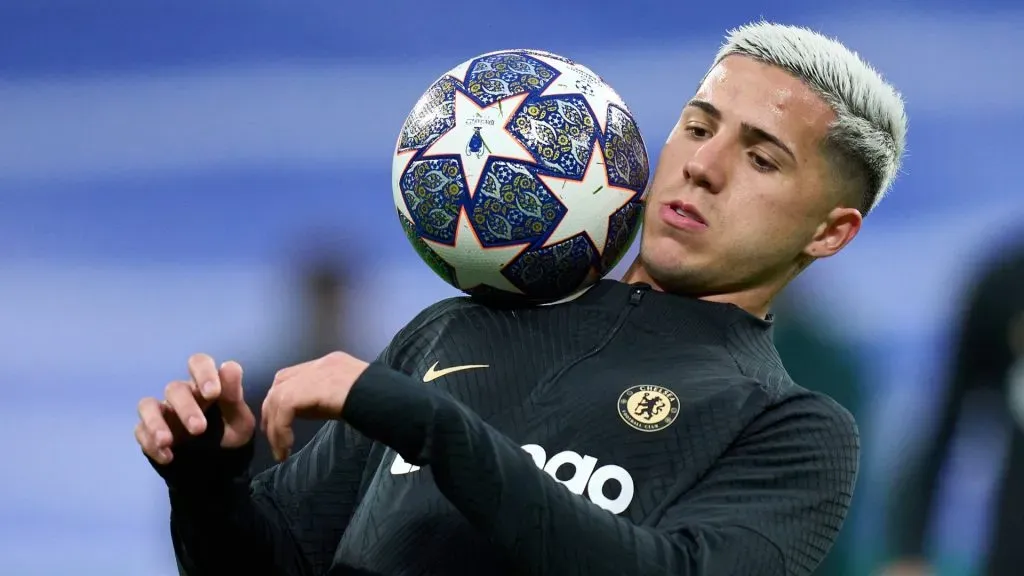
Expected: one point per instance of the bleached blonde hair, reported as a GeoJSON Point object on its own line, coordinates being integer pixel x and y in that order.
{"type": "Point", "coordinates": [867, 140]}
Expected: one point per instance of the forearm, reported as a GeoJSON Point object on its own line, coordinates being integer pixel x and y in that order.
{"type": "Point", "coordinates": [549, 530]}
{"type": "Point", "coordinates": [231, 533]}
{"type": "Point", "coordinates": [218, 525]}
{"type": "Point", "coordinates": [545, 528]}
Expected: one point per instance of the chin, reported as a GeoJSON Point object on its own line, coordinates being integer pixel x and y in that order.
{"type": "Point", "coordinates": [670, 266]}
{"type": "Point", "coordinates": [662, 253]}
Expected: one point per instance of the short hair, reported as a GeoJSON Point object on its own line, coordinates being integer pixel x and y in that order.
{"type": "Point", "coordinates": [867, 140]}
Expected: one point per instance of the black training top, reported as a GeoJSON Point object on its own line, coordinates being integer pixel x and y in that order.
{"type": "Point", "coordinates": [627, 432]}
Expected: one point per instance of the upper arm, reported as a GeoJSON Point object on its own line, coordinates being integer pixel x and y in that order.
{"type": "Point", "coordinates": [783, 488]}
{"type": "Point", "coordinates": [317, 489]}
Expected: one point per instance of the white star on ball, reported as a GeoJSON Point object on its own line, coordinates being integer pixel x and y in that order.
{"type": "Point", "coordinates": [475, 264]}
{"type": "Point", "coordinates": [398, 165]}
{"type": "Point", "coordinates": [589, 203]}
{"type": "Point", "coordinates": [479, 134]}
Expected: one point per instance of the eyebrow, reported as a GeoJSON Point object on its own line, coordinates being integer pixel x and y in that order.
{"type": "Point", "coordinates": [750, 131]}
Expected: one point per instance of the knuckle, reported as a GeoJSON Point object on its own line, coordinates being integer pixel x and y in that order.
{"type": "Point", "coordinates": [277, 404]}
{"type": "Point", "coordinates": [283, 396]}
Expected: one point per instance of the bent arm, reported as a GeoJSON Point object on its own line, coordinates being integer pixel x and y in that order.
{"type": "Point", "coordinates": [772, 505]}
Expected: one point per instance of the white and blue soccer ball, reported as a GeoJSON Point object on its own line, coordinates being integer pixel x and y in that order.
{"type": "Point", "coordinates": [519, 175]}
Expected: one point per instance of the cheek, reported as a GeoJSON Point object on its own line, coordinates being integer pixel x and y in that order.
{"type": "Point", "coordinates": [764, 220]}
{"type": "Point", "coordinates": [669, 166]}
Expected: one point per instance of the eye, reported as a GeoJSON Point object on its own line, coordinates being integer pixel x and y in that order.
{"type": "Point", "coordinates": [698, 132]}
{"type": "Point", "coordinates": [762, 163]}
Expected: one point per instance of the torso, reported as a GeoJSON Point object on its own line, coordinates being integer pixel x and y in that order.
{"type": "Point", "coordinates": [621, 413]}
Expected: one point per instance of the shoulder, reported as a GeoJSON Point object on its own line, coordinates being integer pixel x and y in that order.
{"type": "Point", "coordinates": [429, 324]}
{"type": "Point", "coordinates": [810, 406]}
{"type": "Point", "coordinates": [786, 403]}
{"type": "Point", "coordinates": [811, 419]}
{"type": "Point", "coordinates": [430, 316]}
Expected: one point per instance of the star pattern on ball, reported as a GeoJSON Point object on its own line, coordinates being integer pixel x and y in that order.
{"type": "Point", "coordinates": [589, 203]}
{"type": "Point", "coordinates": [398, 165]}
{"type": "Point", "coordinates": [576, 79]}
{"type": "Point", "coordinates": [479, 265]}
{"type": "Point", "coordinates": [459, 72]}
{"type": "Point", "coordinates": [479, 134]}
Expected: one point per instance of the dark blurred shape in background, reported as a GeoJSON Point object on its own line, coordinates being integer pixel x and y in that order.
{"type": "Point", "coordinates": [320, 328]}
{"type": "Point", "coordinates": [985, 385]}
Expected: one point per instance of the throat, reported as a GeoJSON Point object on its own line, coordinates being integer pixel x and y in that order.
{"type": "Point", "coordinates": [756, 300]}
{"type": "Point", "coordinates": [637, 274]}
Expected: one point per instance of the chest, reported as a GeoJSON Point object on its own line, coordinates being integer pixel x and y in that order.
{"type": "Point", "coordinates": [617, 416]}
{"type": "Point", "coordinates": [627, 437]}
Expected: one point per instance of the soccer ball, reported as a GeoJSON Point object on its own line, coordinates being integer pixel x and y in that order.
{"type": "Point", "coordinates": [519, 176]}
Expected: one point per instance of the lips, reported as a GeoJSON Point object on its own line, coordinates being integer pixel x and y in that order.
{"type": "Point", "coordinates": [682, 216]}
{"type": "Point", "coordinates": [688, 211]}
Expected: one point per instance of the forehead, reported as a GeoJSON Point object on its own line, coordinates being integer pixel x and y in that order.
{"type": "Point", "coordinates": [768, 97]}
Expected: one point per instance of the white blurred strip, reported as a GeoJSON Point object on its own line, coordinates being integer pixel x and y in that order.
{"type": "Point", "coordinates": [301, 114]}
{"type": "Point", "coordinates": [67, 320]}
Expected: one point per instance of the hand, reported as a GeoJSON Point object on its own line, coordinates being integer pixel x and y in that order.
{"type": "Point", "coordinates": [315, 390]}
{"type": "Point", "coordinates": [164, 424]}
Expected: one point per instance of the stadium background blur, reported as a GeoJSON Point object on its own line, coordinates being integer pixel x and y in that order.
{"type": "Point", "coordinates": [169, 171]}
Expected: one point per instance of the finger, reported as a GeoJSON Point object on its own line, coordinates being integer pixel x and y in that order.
{"type": "Point", "coordinates": [182, 401]}
{"type": "Point", "coordinates": [151, 418]}
{"type": "Point", "coordinates": [269, 406]}
{"type": "Point", "coordinates": [145, 440]}
{"type": "Point", "coordinates": [237, 415]}
{"type": "Point", "coordinates": [285, 438]}
{"type": "Point", "coordinates": [205, 376]}
{"type": "Point", "coordinates": [265, 408]}
{"type": "Point", "coordinates": [279, 412]}
{"type": "Point", "coordinates": [231, 391]}
{"type": "Point", "coordinates": [270, 402]}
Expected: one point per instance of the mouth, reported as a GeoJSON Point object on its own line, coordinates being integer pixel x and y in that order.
{"type": "Point", "coordinates": [687, 212]}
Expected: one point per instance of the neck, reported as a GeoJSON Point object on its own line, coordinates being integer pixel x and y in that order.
{"type": "Point", "coordinates": [756, 300]}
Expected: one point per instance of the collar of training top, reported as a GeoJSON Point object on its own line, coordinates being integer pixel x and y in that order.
{"type": "Point", "coordinates": [660, 309]}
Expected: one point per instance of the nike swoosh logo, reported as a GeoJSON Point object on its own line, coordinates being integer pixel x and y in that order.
{"type": "Point", "coordinates": [433, 373]}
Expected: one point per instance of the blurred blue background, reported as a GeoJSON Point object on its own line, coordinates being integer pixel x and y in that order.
{"type": "Point", "coordinates": [167, 168]}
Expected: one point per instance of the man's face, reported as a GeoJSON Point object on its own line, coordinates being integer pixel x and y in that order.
{"type": "Point", "coordinates": [746, 157]}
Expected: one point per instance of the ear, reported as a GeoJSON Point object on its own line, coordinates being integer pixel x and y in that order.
{"type": "Point", "coordinates": [839, 228]}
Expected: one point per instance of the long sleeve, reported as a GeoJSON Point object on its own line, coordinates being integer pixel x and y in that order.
{"type": "Point", "coordinates": [286, 521]}
{"type": "Point", "coordinates": [773, 504]}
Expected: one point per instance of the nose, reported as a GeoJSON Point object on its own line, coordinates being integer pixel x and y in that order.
{"type": "Point", "coordinates": [705, 168]}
